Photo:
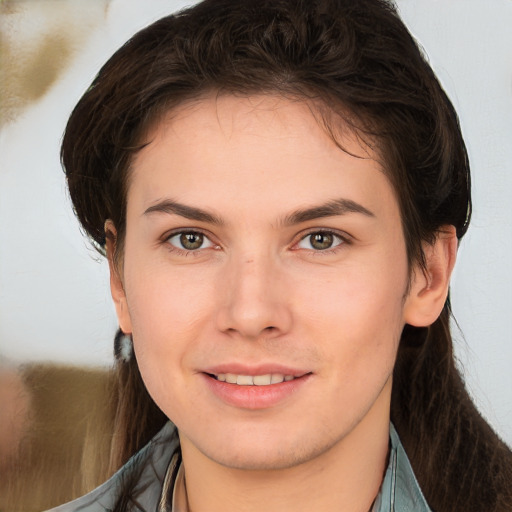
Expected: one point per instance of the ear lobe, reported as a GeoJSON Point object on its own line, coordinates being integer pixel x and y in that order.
{"type": "Point", "coordinates": [116, 282]}
{"type": "Point", "coordinates": [429, 287]}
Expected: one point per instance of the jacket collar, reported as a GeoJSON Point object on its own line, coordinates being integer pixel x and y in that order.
{"type": "Point", "coordinates": [400, 491]}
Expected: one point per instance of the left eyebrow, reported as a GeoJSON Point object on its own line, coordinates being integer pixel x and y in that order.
{"type": "Point", "coordinates": [330, 209]}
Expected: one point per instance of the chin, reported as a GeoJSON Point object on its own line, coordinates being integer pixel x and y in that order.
{"type": "Point", "coordinates": [261, 461]}
{"type": "Point", "coordinates": [266, 453]}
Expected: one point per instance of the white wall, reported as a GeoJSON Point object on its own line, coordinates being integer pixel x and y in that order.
{"type": "Point", "coordinates": [54, 298]}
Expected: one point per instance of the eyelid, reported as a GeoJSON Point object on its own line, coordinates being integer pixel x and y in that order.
{"type": "Point", "coordinates": [186, 229]}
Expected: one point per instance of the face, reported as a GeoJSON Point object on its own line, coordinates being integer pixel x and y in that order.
{"type": "Point", "coordinates": [264, 280]}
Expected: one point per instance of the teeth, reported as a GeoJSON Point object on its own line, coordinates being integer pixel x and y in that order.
{"type": "Point", "coordinates": [256, 380]}
{"type": "Point", "coordinates": [244, 380]}
{"type": "Point", "coordinates": [276, 378]}
{"type": "Point", "coordinates": [262, 380]}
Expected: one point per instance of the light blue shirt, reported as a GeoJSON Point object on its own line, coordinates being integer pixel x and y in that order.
{"type": "Point", "coordinates": [399, 492]}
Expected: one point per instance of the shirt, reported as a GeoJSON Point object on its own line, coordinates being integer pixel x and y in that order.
{"type": "Point", "coordinates": [162, 470]}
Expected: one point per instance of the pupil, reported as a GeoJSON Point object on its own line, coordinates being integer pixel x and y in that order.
{"type": "Point", "coordinates": [191, 241]}
{"type": "Point", "coordinates": [321, 241]}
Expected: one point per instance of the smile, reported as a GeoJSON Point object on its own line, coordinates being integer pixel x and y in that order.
{"type": "Point", "coordinates": [257, 391]}
{"type": "Point", "coordinates": [253, 380]}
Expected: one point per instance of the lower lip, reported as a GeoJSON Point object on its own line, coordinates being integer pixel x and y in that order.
{"type": "Point", "coordinates": [255, 397]}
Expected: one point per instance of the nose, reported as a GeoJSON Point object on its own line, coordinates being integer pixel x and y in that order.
{"type": "Point", "coordinates": [253, 299]}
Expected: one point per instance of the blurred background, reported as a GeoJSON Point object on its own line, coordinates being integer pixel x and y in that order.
{"type": "Point", "coordinates": [56, 319]}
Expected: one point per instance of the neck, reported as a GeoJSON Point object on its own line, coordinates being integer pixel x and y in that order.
{"type": "Point", "coordinates": [345, 477]}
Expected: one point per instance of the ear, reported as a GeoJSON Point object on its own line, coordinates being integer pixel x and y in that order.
{"type": "Point", "coordinates": [116, 282]}
{"type": "Point", "coordinates": [429, 286]}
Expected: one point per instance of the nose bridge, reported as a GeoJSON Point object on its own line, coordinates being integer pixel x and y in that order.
{"type": "Point", "coordinates": [254, 302]}
{"type": "Point", "coordinates": [252, 277]}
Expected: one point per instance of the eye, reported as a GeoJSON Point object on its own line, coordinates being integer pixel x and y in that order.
{"type": "Point", "coordinates": [320, 241]}
{"type": "Point", "coordinates": [190, 241]}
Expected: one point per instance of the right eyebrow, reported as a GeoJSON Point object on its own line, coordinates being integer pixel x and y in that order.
{"type": "Point", "coordinates": [171, 207]}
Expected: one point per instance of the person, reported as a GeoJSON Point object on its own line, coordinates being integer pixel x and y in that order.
{"type": "Point", "coordinates": [280, 188]}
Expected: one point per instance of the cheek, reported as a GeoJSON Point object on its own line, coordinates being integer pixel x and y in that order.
{"type": "Point", "coordinates": [356, 300]}
{"type": "Point", "coordinates": [165, 328]}
{"type": "Point", "coordinates": [356, 319]}
{"type": "Point", "coordinates": [167, 311]}
{"type": "Point", "coordinates": [164, 299]}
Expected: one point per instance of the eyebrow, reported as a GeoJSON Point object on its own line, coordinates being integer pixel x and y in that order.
{"type": "Point", "coordinates": [330, 209]}
{"type": "Point", "coordinates": [189, 212]}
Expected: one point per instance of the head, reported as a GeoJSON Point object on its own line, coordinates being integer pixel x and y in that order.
{"type": "Point", "coordinates": [364, 93]}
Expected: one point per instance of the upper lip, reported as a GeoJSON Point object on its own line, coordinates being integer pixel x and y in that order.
{"type": "Point", "coordinates": [261, 369]}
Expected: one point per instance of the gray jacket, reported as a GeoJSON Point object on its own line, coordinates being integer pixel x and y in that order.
{"type": "Point", "coordinates": [399, 492]}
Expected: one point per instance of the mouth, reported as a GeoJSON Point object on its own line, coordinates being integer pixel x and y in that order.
{"type": "Point", "coordinates": [256, 390]}
{"type": "Point", "coordinates": [268, 379]}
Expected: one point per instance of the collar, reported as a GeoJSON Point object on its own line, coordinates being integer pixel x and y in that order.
{"type": "Point", "coordinates": [175, 477]}
{"type": "Point", "coordinates": [400, 491]}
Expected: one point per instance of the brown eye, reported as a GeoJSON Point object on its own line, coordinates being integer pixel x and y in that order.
{"type": "Point", "coordinates": [190, 241]}
{"type": "Point", "coordinates": [320, 241]}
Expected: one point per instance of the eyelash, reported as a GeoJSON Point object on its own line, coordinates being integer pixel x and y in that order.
{"type": "Point", "coordinates": [343, 239]}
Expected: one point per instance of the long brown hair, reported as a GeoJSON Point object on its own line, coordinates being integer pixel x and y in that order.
{"type": "Point", "coordinates": [353, 60]}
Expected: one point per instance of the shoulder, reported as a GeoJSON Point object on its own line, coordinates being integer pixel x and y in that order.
{"type": "Point", "coordinates": [146, 468]}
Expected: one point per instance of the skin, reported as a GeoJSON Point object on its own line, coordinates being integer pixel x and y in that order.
{"type": "Point", "coordinates": [259, 290]}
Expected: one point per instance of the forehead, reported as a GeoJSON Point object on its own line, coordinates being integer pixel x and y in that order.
{"type": "Point", "coordinates": [265, 147]}
{"type": "Point", "coordinates": [283, 116]}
